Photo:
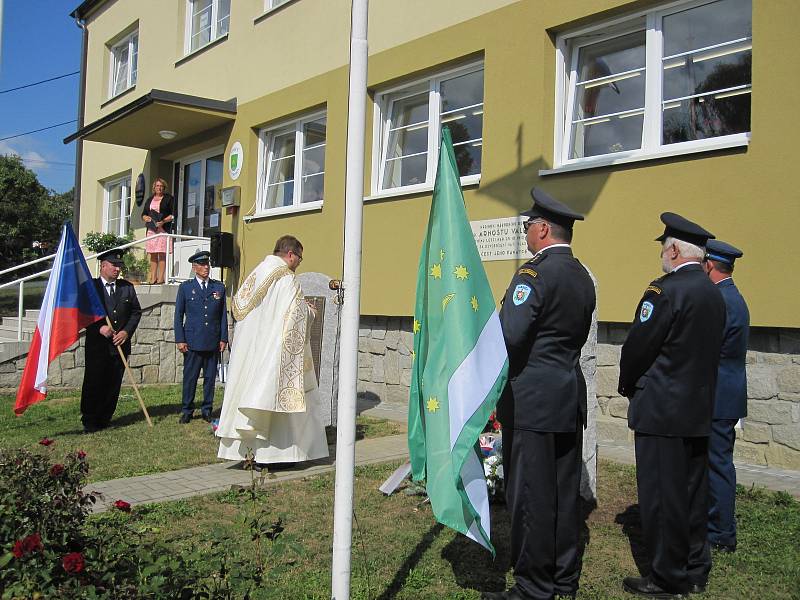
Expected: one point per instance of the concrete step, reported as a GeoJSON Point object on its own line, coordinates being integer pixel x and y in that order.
{"type": "Point", "coordinates": [32, 313]}
{"type": "Point", "coordinates": [27, 323]}
{"type": "Point", "coordinates": [10, 332]}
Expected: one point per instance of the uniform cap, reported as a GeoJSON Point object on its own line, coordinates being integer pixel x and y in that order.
{"type": "Point", "coordinates": [548, 208]}
{"type": "Point", "coordinates": [112, 256]}
{"type": "Point", "coordinates": [201, 258]}
{"type": "Point", "coordinates": [682, 228]}
{"type": "Point", "coordinates": [722, 251]}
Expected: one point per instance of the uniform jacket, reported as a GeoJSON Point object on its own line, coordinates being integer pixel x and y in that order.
{"type": "Point", "coordinates": [546, 317]}
{"type": "Point", "coordinates": [124, 311]}
{"type": "Point", "coordinates": [669, 361]}
{"type": "Point", "coordinates": [205, 313]}
{"type": "Point", "coordinates": [730, 401]}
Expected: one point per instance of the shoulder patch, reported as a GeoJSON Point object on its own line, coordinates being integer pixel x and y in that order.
{"type": "Point", "coordinates": [530, 272]}
{"type": "Point", "coordinates": [521, 293]}
{"type": "Point", "coordinates": [646, 311]}
{"type": "Point", "coordinates": [653, 288]}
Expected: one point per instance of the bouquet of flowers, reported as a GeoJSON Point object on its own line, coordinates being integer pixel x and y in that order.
{"type": "Point", "coordinates": [491, 442]}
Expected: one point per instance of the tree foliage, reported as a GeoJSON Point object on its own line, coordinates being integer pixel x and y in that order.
{"type": "Point", "coordinates": [31, 216]}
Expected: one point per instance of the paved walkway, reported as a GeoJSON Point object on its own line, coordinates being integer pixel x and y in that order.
{"type": "Point", "coordinates": [218, 477]}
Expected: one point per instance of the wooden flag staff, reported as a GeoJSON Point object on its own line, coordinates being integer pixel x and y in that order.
{"type": "Point", "coordinates": [130, 375]}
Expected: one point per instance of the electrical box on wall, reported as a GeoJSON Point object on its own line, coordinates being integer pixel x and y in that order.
{"type": "Point", "coordinates": [230, 196]}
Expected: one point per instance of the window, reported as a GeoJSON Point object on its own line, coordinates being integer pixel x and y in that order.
{"type": "Point", "coordinates": [274, 3]}
{"type": "Point", "coordinates": [117, 206]}
{"type": "Point", "coordinates": [663, 82]}
{"type": "Point", "coordinates": [207, 20]}
{"type": "Point", "coordinates": [292, 165]}
{"type": "Point", "coordinates": [124, 64]}
{"type": "Point", "coordinates": [409, 123]}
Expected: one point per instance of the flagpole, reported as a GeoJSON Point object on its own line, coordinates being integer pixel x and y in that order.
{"type": "Point", "coordinates": [130, 376]}
{"type": "Point", "coordinates": [351, 309]}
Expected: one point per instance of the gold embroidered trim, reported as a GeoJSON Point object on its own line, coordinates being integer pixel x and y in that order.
{"type": "Point", "coordinates": [246, 299]}
{"type": "Point", "coordinates": [530, 272]}
{"type": "Point", "coordinates": [291, 390]}
{"type": "Point", "coordinates": [652, 288]}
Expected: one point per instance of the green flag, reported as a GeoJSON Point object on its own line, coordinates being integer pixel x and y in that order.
{"type": "Point", "coordinates": [460, 364]}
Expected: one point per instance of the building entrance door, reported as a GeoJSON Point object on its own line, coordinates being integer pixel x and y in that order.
{"type": "Point", "coordinates": [200, 182]}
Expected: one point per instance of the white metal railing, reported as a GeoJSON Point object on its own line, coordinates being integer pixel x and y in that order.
{"type": "Point", "coordinates": [20, 282]}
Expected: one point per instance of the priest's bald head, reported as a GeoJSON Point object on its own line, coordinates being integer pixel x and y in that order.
{"type": "Point", "coordinates": [290, 250]}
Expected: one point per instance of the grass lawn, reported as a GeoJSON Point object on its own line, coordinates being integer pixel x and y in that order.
{"type": "Point", "coordinates": [129, 447]}
{"type": "Point", "coordinates": [400, 552]}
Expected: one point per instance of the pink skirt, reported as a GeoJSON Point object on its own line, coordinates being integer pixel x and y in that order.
{"type": "Point", "coordinates": [158, 245]}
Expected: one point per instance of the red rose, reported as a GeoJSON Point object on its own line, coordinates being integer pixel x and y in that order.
{"type": "Point", "coordinates": [46, 442]}
{"type": "Point", "coordinates": [18, 550]}
{"type": "Point", "coordinates": [122, 505]}
{"type": "Point", "coordinates": [81, 454]}
{"type": "Point", "coordinates": [496, 425]}
{"type": "Point", "coordinates": [32, 543]}
{"type": "Point", "coordinates": [73, 562]}
{"type": "Point", "coordinates": [56, 470]}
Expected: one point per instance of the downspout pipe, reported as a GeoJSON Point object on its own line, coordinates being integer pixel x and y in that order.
{"type": "Point", "coordinates": [76, 202]}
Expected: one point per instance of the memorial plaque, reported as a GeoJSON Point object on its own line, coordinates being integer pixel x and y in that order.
{"type": "Point", "coordinates": [317, 327]}
{"type": "Point", "coordinates": [500, 239]}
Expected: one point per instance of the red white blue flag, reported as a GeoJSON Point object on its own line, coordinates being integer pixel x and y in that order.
{"type": "Point", "coordinates": [70, 303]}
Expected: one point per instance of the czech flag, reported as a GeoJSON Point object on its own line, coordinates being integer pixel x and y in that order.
{"type": "Point", "coordinates": [70, 303]}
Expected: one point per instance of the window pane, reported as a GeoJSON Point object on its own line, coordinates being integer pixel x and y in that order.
{"type": "Point", "coordinates": [201, 23]}
{"type": "Point", "coordinates": [468, 158]}
{"type": "Point", "coordinates": [611, 79]}
{"type": "Point", "coordinates": [223, 17]}
{"type": "Point", "coordinates": [314, 160]}
{"type": "Point", "coordinates": [281, 194]}
{"type": "Point", "coordinates": [465, 125]}
{"type": "Point", "coordinates": [707, 25]}
{"type": "Point", "coordinates": [134, 58]}
{"type": "Point", "coordinates": [697, 75]}
{"type": "Point", "coordinates": [314, 132]}
{"type": "Point", "coordinates": [283, 145]}
{"type": "Point", "coordinates": [313, 187]}
{"type": "Point", "coordinates": [405, 171]}
{"type": "Point", "coordinates": [408, 135]}
{"type": "Point", "coordinates": [120, 69]}
{"type": "Point", "coordinates": [464, 90]}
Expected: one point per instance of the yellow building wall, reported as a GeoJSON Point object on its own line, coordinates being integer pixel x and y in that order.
{"type": "Point", "coordinates": [746, 196]}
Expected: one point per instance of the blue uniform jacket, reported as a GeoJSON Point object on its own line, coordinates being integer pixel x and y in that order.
{"type": "Point", "coordinates": [730, 401]}
{"type": "Point", "coordinates": [206, 318]}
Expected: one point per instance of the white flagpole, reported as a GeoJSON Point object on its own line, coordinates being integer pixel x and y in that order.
{"type": "Point", "coordinates": [348, 340]}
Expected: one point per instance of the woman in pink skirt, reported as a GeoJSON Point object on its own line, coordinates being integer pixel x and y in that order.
{"type": "Point", "coordinates": [158, 217]}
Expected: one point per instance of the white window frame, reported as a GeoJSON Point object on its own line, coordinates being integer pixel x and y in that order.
{"type": "Point", "coordinates": [182, 162]}
{"type": "Point", "coordinates": [125, 204]}
{"type": "Point", "coordinates": [270, 4]}
{"type": "Point", "coordinates": [652, 147]}
{"type": "Point", "coordinates": [265, 151]}
{"type": "Point", "coordinates": [132, 42]}
{"type": "Point", "coordinates": [214, 36]}
{"type": "Point", "coordinates": [382, 115]}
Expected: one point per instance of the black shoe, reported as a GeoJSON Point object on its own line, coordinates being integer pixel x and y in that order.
{"type": "Point", "coordinates": [90, 428]}
{"type": "Point", "coordinates": [697, 588]}
{"type": "Point", "coordinates": [185, 418]}
{"type": "Point", "coordinates": [207, 417]}
{"type": "Point", "coordinates": [511, 594]}
{"type": "Point", "coordinates": [642, 586]}
{"type": "Point", "coordinates": [726, 548]}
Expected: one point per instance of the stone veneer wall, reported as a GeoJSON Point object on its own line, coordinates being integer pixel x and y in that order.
{"type": "Point", "coordinates": [384, 357]}
{"type": "Point", "coordinates": [771, 431]}
{"type": "Point", "coordinates": [154, 357]}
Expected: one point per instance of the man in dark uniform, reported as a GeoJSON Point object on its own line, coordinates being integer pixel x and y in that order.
{"type": "Point", "coordinates": [102, 375]}
{"type": "Point", "coordinates": [668, 370]}
{"type": "Point", "coordinates": [730, 400]}
{"type": "Point", "coordinates": [204, 334]}
{"type": "Point", "coordinates": [546, 317]}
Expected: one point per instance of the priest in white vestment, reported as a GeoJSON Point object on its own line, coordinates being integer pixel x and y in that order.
{"type": "Point", "coordinates": [272, 404]}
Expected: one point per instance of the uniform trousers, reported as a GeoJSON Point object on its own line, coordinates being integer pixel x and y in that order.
{"type": "Point", "coordinates": [722, 483]}
{"type": "Point", "coordinates": [193, 361]}
{"type": "Point", "coordinates": [102, 380]}
{"type": "Point", "coordinates": [542, 475]}
{"type": "Point", "coordinates": [672, 481]}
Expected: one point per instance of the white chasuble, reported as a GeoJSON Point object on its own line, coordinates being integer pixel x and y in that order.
{"type": "Point", "coordinates": [272, 404]}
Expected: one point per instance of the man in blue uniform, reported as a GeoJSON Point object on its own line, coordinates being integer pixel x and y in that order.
{"type": "Point", "coordinates": [730, 400]}
{"type": "Point", "coordinates": [546, 317]}
{"type": "Point", "coordinates": [668, 370]}
{"type": "Point", "coordinates": [203, 335]}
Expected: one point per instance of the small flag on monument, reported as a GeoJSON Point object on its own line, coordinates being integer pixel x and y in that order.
{"type": "Point", "coordinates": [460, 362]}
{"type": "Point", "coordinates": [70, 304]}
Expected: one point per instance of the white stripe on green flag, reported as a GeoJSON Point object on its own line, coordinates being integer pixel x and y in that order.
{"type": "Point", "coordinates": [460, 361]}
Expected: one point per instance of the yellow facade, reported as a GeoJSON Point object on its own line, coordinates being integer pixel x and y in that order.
{"type": "Point", "coordinates": [293, 61]}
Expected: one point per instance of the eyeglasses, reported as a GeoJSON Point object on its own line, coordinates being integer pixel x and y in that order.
{"type": "Point", "coordinates": [527, 224]}
{"type": "Point", "coordinates": [299, 256]}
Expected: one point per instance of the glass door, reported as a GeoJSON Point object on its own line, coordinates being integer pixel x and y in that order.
{"type": "Point", "coordinates": [200, 185]}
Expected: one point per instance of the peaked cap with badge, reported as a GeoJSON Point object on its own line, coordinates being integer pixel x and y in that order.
{"type": "Point", "coordinates": [201, 258]}
{"type": "Point", "coordinates": [548, 208]}
{"type": "Point", "coordinates": [113, 256]}
{"type": "Point", "coordinates": [681, 228]}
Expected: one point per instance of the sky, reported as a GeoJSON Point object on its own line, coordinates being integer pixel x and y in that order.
{"type": "Point", "coordinates": [40, 40]}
